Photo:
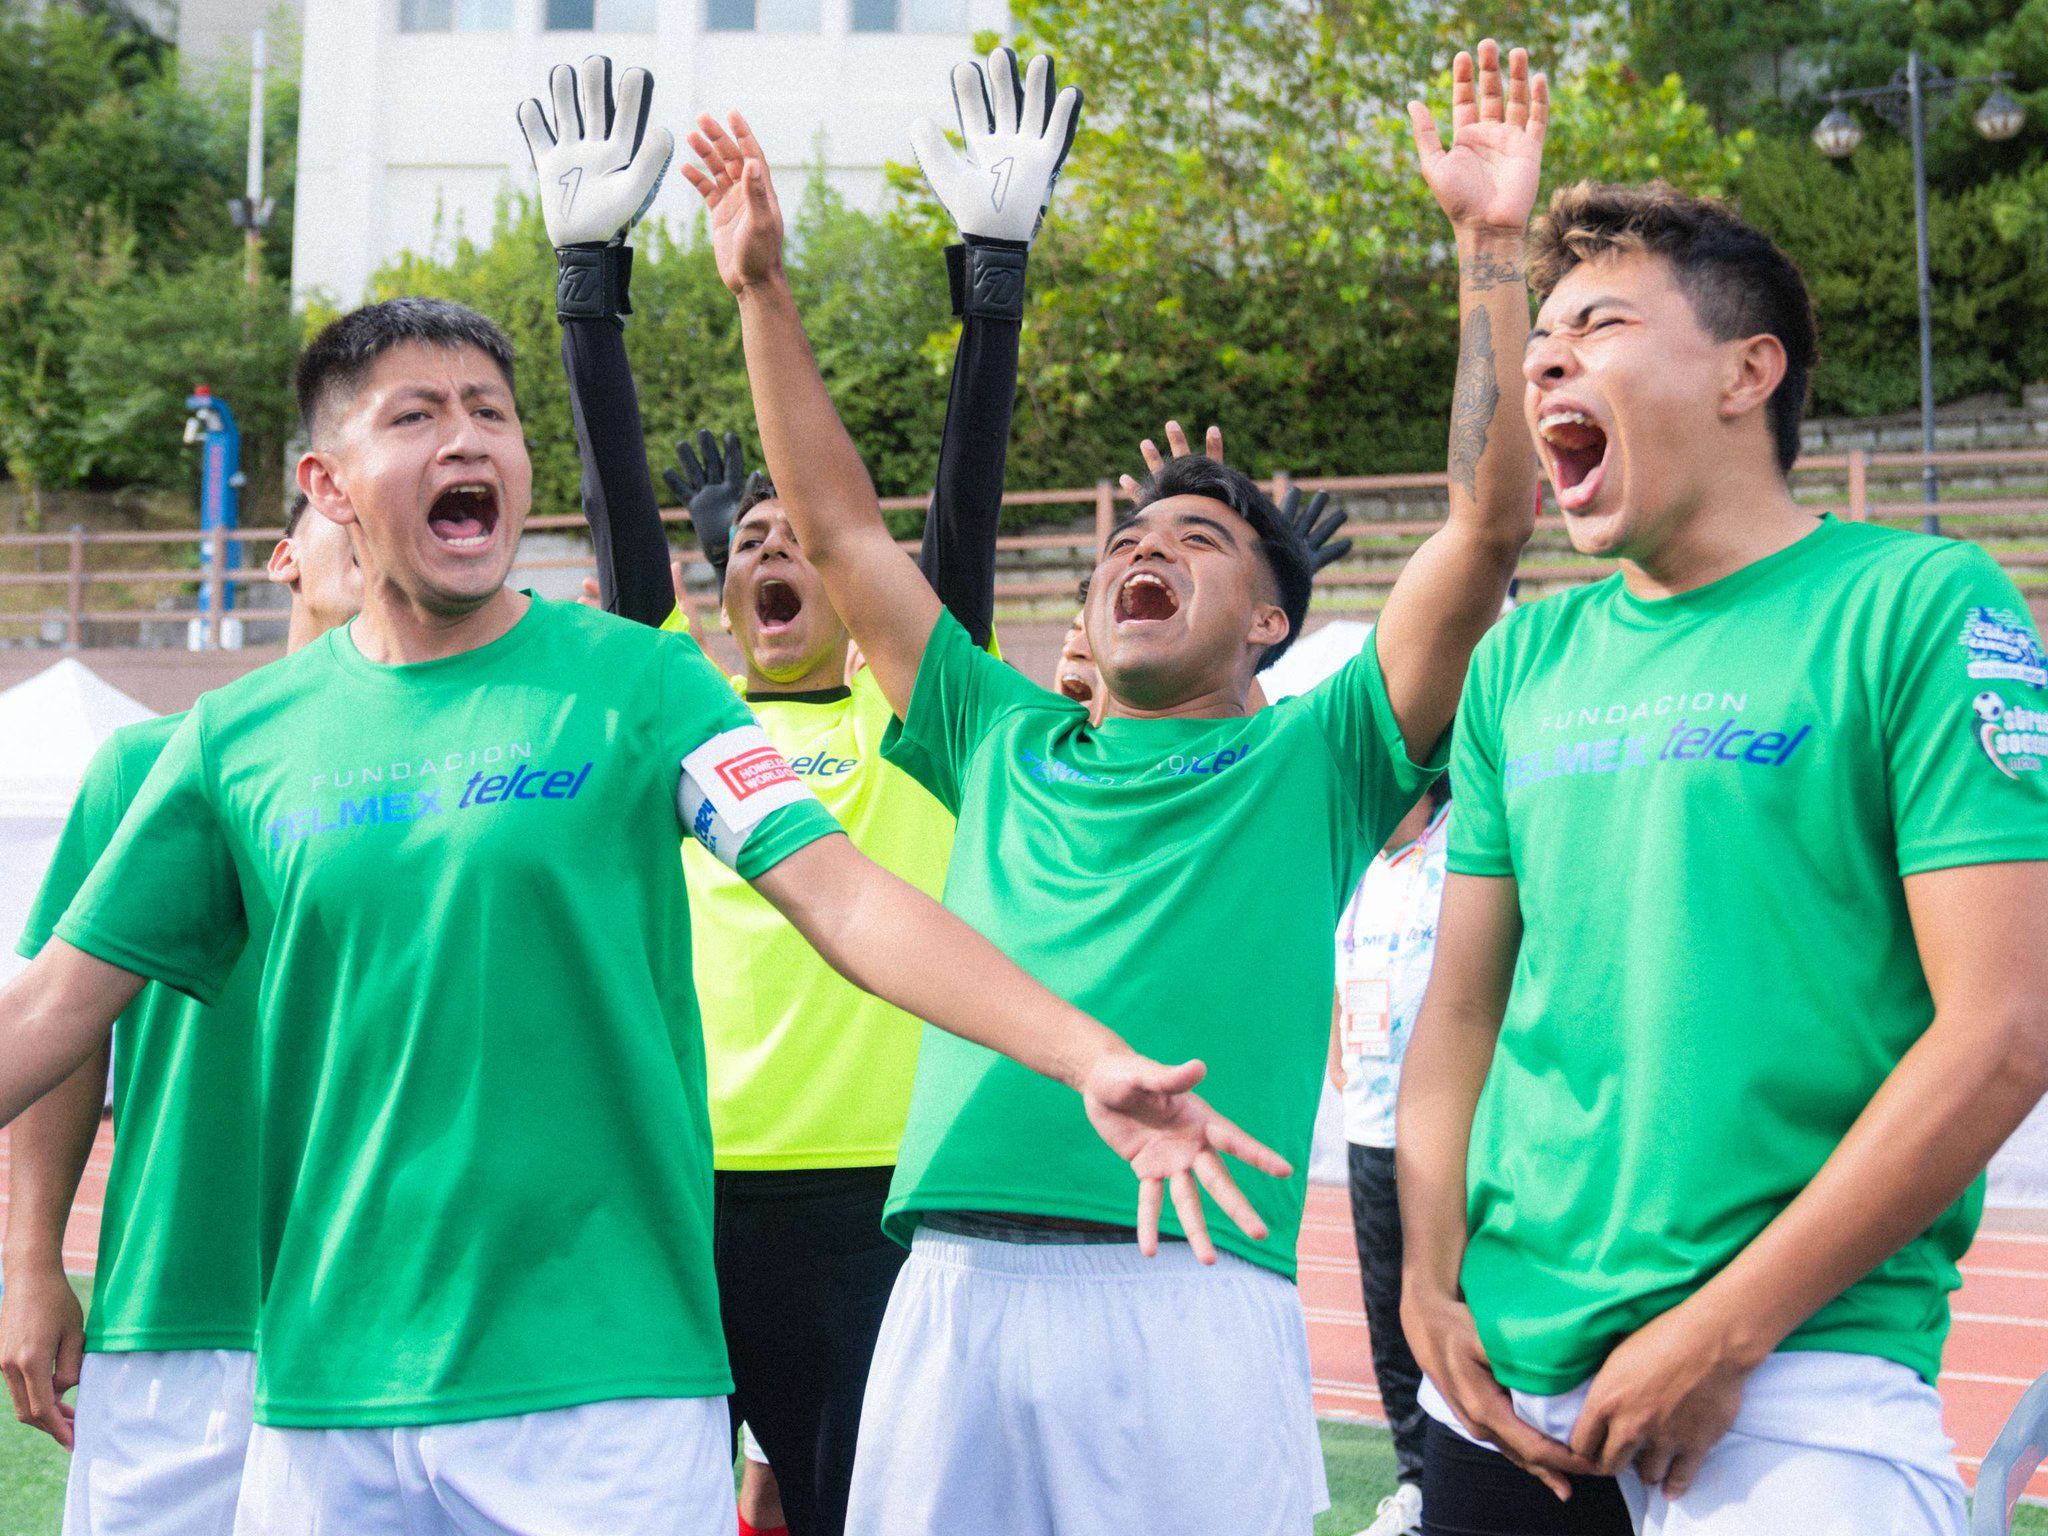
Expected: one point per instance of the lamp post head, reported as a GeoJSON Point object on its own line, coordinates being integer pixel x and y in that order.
{"type": "Point", "coordinates": [1837, 134]}
{"type": "Point", "coordinates": [2000, 117]}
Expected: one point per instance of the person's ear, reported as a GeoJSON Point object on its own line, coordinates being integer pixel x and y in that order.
{"type": "Point", "coordinates": [318, 477]}
{"type": "Point", "coordinates": [1756, 367]}
{"type": "Point", "coordinates": [283, 565]}
{"type": "Point", "coordinates": [1269, 625]}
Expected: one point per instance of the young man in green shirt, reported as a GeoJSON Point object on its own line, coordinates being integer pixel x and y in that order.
{"type": "Point", "coordinates": [487, 1290]}
{"type": "Point", "coordinates": [166, 1365]}
{"type": "Point", "coordinates": [1740, 974]}
{"type": "Point", "coordinates": [1180, 867]}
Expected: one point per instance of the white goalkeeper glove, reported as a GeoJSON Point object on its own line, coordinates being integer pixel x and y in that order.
{"type": "Point", "coordinates": [1018, 135]}
{"type": "Point", "coordinates": [599, 169]}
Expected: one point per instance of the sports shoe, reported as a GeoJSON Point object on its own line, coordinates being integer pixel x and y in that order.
{"type": "Point", "coordinates": [1399, 1514]}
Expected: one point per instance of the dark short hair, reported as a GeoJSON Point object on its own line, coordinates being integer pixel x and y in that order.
{"type": "Point", "coordinates": [759, 489]}
{"type": "Point", "coordinates": [336, 362]}
{"type": "Point", "coordinates": [1738, 282]}
{"type": "Point", "coordinates": [294, 510]}
{"type": "Point", "coordinates": [1286, 556]}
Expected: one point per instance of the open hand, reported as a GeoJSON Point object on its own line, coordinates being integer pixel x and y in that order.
{"type": "Point", "coordinates": [42, 1339]}
{"type": "Point", "coordinates": [598, 163]}
{"type": "Point", "coordinates": [1152, 1119]}
{"type": "Point", "coordinates": [1017, 134]}
{"type": "Point", "coordinates": [1487, 179]}
{"type": "Point", "coordinates": [1176, 447]}
{"type": "Point", "coordinates": [1317, 525]}
{"type": "Point", "coordinates": [712, 482]}
{"type": "Point", "coordinates": [1446, 1343]}
{"type": "Point", "coordinates": [746, 217]}
{"type": "Point", "coordinates": [1663, 1399]}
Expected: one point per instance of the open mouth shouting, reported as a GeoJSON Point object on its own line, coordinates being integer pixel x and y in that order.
{"type": "Point", "coordinates": [464, 516]}
{"type": "Point", "coordinates": [1576, 447]}
{"type": "Point", "coordinates": [776, 606]}
{"type": "Point", "coordinates": [1074, 685]}
{"type": "Point", "coordinates": [1145, 597]}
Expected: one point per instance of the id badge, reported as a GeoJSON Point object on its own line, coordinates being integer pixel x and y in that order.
{"type": "Point", "coordinates": [1368, 1020]}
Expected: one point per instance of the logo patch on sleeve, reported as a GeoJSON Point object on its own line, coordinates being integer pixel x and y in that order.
{"type": "Point", "coordinates": [730, 785]}
{"type": "Point", "coordinates": [2013, 737]}
{"type": "Point", "coordinates": [2001, 644]}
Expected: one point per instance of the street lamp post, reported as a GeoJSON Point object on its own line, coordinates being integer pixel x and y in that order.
{"type": "Point", "coordinates": [1903, 103]}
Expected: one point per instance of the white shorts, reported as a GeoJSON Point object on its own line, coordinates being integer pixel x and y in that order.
{"type": "Point", "coordinates": [160, 1437]}
{"type": "Point", "coordinates": [1022, 1389]}
{"type": "Point", "coordinates": [1824, 1444]}
{"type": "Point", "coordinates": [658, 1466]}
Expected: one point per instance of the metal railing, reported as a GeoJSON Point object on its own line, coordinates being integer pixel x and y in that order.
{"type": "Point", "coordinates": [1039, 568]}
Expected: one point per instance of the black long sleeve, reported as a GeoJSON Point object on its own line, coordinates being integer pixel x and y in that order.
{"type": "Point", "coordinates": [619, 501]}
{"type": "Point", "coordinates": [959, 553]}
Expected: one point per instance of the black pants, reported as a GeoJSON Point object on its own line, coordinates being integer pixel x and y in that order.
{"type": "Point", "coordinates": [1376, 1223]}
{"type": "Point", "coordinates": [804, 1275]}
{"type": "Point", "coordinates": [1472, 1490]}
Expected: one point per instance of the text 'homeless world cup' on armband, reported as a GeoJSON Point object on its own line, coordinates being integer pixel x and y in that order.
{"type": "Point", "coordinates": [730, 785]}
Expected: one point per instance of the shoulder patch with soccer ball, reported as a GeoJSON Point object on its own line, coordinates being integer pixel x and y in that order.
{"type": "Point", "coordinates": [730, 785]}
{"type": "Point", "coordinates": [2013, 736]}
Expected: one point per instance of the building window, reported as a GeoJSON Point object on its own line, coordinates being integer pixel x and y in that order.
{"type": "Point", "coordinates": [910, 15]}
{"type": "Point", "coordinates": [763, 15]}
{"type": "Point", "coordinates": [454, 15]}
{"type": "Point", "coordinates": [600, 15]}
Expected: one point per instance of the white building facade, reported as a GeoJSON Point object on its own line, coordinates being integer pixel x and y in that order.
{"type": "Point", "coordinates": [406, 130]}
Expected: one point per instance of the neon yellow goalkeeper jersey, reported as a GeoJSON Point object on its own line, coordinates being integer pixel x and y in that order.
{"type": "Point", "coordinates": [806, 1070]}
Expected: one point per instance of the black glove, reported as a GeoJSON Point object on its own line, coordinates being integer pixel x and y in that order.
{"type": "Point", "coordinates": [1314, 526]}
{"type": "Point", "coordinates": [713, 488]}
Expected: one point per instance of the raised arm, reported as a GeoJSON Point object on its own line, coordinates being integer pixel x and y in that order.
{"type": "Point", "coordinates": [877, 589]}
{"type": "Point", "coordinates": [889, 938]}
{"type": "Point", "coordinates": [1452, 588]}
{"type": "Point", "coordinates": [1028, 125]}
{"type": "Point", "coordinates": [599, 167]}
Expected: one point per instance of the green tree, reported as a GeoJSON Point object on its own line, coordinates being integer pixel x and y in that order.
{"type": "Point", "coordinates": [142, 347]}
{"type": "Point", "coordinates": [1243, 235]}
{"type": "Point", "coordinates": [118, 265]}
{"type": "Point", "coordinates": [1849, 227]}
{"type": "Point", "coordinates": [1770, 65]}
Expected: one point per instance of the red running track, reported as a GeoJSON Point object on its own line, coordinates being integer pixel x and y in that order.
{"type": "Point", "coordinates": [1999, 1346]}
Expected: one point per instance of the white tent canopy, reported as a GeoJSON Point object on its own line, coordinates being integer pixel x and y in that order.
{"type": "Point", "coordinates": [50, 726]}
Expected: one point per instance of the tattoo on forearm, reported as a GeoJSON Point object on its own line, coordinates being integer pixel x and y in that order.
{"type": "Point", "coordinates": [1473, 401]}
{"type": "Point", "coordinates": [1490, 271]}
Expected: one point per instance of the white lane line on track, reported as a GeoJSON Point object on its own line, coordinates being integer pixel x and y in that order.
{"type": "Point", "coordinates": [1997, 1317]}
{"type": "Point", "coordinates": [2000, 1273]}
{"type": "Point", "coordinates": [1334, 1316]}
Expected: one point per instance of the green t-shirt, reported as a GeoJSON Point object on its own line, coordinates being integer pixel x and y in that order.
{"type": "Point", "coordinates": [1708, 803]}
{"type": "Point", "coordinates": [485, 1161]}
{"type": "Point", "coordinates": [177, 1266]}
{"type": "Point", "coordinates": [1178, 879]}
{"type": "Point", "coordinates": [807, 1070]}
